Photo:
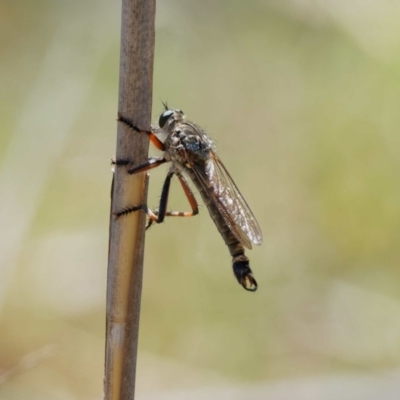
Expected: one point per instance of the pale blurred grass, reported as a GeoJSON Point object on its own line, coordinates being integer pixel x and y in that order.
{"type": "Point", "coordinates": [302, 100]}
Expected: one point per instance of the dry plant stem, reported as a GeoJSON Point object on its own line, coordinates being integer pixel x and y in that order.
{"type": "Point", "coordinates": [125, 264]}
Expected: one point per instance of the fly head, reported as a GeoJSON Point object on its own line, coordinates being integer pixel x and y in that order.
{"type": "Point", "coordinates": [169, 118]}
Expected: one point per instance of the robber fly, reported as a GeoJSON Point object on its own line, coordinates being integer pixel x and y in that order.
{"type": "Point", "coordinates": [191, 153]}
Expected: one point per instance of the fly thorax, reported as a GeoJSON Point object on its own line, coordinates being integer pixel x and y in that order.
{"type": "Point", "coordinates": [196, 147]}
{"type": "Point", "coordinates": [183, 146]}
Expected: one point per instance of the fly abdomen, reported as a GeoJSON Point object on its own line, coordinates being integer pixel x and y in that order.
{"type": "Point", "coordinates": [240, 263]}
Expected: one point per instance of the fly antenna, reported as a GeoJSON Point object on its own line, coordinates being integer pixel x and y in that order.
{"type": "Point", "coordinates": [165, 105]}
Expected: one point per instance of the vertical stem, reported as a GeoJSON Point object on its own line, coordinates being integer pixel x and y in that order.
{"type": "Point", "coordinates": [126, 248]}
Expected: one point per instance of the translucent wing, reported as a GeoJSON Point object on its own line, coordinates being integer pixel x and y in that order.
{"type": "Point", "coordinates": [225, 195]}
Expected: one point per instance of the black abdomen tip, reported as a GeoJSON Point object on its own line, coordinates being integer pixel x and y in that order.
{"type": "Point", "coordinates": [244, 275]}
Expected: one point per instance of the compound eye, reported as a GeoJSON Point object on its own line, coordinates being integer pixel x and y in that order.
{"type": "Point", "coordinates": [164, 117]}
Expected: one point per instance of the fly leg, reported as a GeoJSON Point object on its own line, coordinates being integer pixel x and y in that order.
{"type": "Point", "coordinates": [162, 210]}
{"type": "Point", "coordinates": [152, 136]}
{"type": "Point", "coordinates": [149, 164]}
{"type": "Point", "coordinates": [152, 162]}
{"type": "Point", "coordinates": [159, 215]}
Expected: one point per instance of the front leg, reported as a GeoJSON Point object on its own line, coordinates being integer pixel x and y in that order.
{"type": "Point", "coordinates": [152, 136]}
{"type": "Point", "coordinates": [152, 162]}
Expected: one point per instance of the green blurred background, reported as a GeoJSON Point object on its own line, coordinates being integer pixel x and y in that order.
{"type": "Point", "coordinates": [302, 99]}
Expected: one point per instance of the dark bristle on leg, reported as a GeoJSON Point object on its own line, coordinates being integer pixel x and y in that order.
{"type": "Point", "coordinates": [244, 275]}
{"type": "Point", "coordinates": [130, 210]}
{"type": "Point", "coordinates": [121, 162]}
{"type": "Point", "coordinates": [149, 224]}
{"type": "Point", "coordinates": [128, 122]}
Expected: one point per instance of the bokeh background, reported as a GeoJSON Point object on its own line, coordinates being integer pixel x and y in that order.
{"type": "Point", "coordinates": [302, 98]}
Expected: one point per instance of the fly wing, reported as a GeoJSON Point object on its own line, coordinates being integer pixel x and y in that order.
{"type": "Point", "coordinates": [225, 195]}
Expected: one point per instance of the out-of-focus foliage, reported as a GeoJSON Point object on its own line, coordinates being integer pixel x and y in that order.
{"type": "Point", "coordinates": [302, 100]}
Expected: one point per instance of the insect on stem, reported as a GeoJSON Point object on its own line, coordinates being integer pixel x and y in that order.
{"type": "Point", "coordinates": [191, 153]}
